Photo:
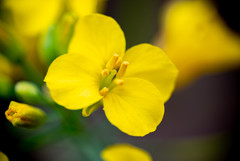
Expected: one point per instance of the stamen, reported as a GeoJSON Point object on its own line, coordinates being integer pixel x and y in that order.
{"type": "Point", "coordinates": [118, 63]}
{"type": "Point", "coordinates": [105, 72]}
{"type": "Point", "coordinates": [122, 69]}
{"type": "Point", "coordinates": [118, 82]}
{"type": "Point", "coordinates": [110, 64]}
{"type": "Point", "coordinates": [104, 91]}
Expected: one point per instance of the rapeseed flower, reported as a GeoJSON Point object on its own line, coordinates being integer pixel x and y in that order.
{"type": "Point", "coordinates": [32, 17]}
{"type": "Point", "coordinates": [131, 86]}
{"type": "Point", "coordinates": [198, 41]}
{"type": "Point", "coordinates": [126, 152]}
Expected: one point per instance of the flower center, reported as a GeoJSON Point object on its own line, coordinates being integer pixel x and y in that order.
{"type": "Point", "coordinates": [112, 74]}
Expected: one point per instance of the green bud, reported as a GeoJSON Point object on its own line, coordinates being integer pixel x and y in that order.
{"type": "Point", "coordinates": [28, 92]}
{"type": "Point", "coordinates": [25, 116]}
{"type": "Point", "coordinates": [56, 40]}
{"type": "Point", "coordinates": [6, 86]}
{"type": "Point", "coordinates": [64, 32]}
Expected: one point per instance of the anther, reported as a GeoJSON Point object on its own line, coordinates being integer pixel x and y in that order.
{"type": "Point", "coordinates": [122, 69]}
{"type": "Point", "coordinates": [118, 63]}
{"type": "Point", "coordinates": [105, 72]}
{"type": "Point", "coordinates": [110, 64]}
{"type": "Point", "coordinates": [118, 82]}
{"type": "Point", "coordinates": [104, 91]}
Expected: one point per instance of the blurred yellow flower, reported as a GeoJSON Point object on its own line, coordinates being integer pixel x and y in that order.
{"type": "Point", "coordinates": [132, 87]}
{"type": "Point", "coordinates": [198, 41]}
{"type": "Point", "coordinates": [32, 17]}
{"type": "Point", "coordinates": [25, 116]}
{"type": "Point", "coordinates": [9, 69]}
{"type": "Point", "coordinates": [3, 157]}
{"type": "Point", "coordinates": [125, 152]}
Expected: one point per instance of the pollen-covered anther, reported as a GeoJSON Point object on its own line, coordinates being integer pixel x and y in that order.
{"type": "Point", "coordinates": [105, 72]}
{"type": "Point", "coordinates": [118, 82]}
{"type": "Point", "coordinates": [111, 63]}
{"type": "Point", "coordinates": [122, 69]}
{"type": "Point", "coordinates": [118, 63]}
{"type": "Point", "coordinates": [104, 91]}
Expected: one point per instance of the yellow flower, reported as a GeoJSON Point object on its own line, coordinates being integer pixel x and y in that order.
{"type": "Point", "coordinates": [3, 157]}
{"type": "Point", "coordinates": [25, 116]}
{"type": "Point", "coordinates": [125, 152]}
{"type": "Point", "coordinates": [132, 87]}
{"type": "Point", "coordinates": [34, 16]}
{"type": "Point", "coordinates": [198, 41]}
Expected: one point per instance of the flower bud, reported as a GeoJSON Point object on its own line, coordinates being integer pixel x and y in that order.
{"type": "Point", "coordinates": [55, 42]}
{"type": "Point", "coordinates": [64, 31]}
{"type": "Point", "coordinates": [25, 116]}
{"type": "Point", "coordinates": [3, 157]}
{"type": "Point", "coordinates": [28, 92]}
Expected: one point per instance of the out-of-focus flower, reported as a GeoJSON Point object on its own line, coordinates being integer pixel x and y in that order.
{"type": "Point", "coordinates": [96, 70]}
{"type": "Point", "coordinates": [36, 20]}
{"type": "Point", "coordinates": [28, 92]}
{"type": "Point", "coordinates": [25, 116]}
{"type": "Point", "coordinates": [197, 40]}
{"type": "Point", "coordinates": [3, 157]}
{"type": "Point", "coordinates": [125, 152]}
{"type": "Point", "coordinates": [32, 17]}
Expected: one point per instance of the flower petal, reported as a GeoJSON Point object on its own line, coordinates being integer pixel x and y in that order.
{"type": "Point", "coordinates": [151, 63]}
{"type": "Point", "coordinates": [136, 107]}
{"type": "Point", "coordinates": [73, 81]}
{"type": "Point", "coordinates": [32, 17]}
{"type": "Point", "coordinates": [83, 7]}
{"type": "Point", "coordinates": [125, 152]}
{"type": "Point", "coordinates": [98, 36]}
{"type": "Point", "coordinates": [3, 157]}
{"type": "Point", "coordinates": [205, 45]}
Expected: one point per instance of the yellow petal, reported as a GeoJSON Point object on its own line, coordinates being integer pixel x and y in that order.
{"type": "Point", "coordinates": [204, 45]}
{"type": "Point", "coordinates": [125, 152]}
{"type": "Point", "coordinates": [136, 107]}
{"type": "Point", "coordinates": [98, 36]}
{"type": "Point", "coordinates": [151, 63]}
{"type": "Point", "coordinates": [73, 81]}
{"type": "Point", "coordinates": [3, 157]}
{"type": "Point", "coordinates": [32, 17]}
{"type": "Point", "coordinates": [83, 7]}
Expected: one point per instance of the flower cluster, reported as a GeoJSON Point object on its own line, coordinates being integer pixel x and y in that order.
{"type": "Point", "coordinates": [87, 68]}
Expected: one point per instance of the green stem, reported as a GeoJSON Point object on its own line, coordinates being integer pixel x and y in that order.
{"type": "Point", "coordinates": [74, 126]}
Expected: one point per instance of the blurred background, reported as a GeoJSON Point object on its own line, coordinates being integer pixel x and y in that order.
{"type": "Point", "coordinates": [201, 119]}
